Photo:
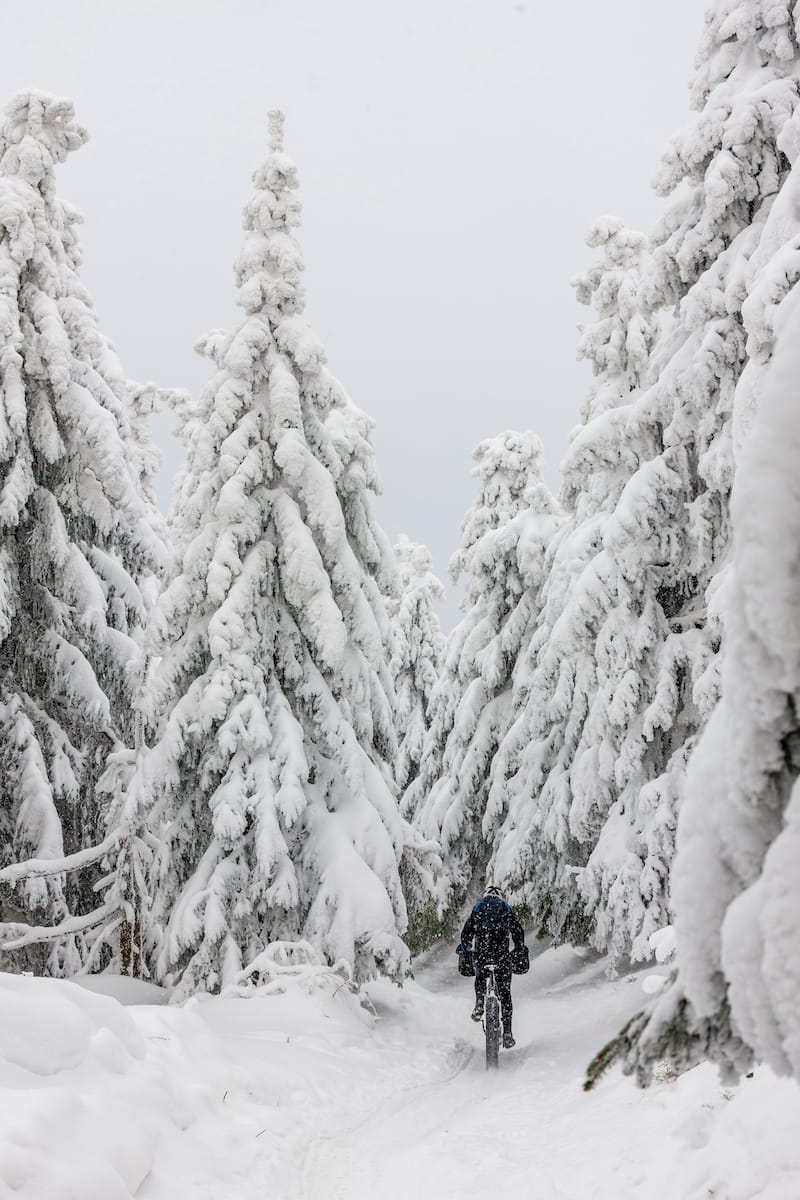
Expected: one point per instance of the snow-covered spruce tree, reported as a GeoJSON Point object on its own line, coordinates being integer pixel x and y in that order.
{"type": "Point", "coordinates": [619, 786]}
{"type": "Point", "coordinates": [558, 678]}
{"type": "Point", "coordinates": [746, 91]}
{"type": "Point", "coordinates": [734, 879]}
{"type": "Point", "coordinates": [417, 648]}
{"type": "Point", "coordinates": [271, 792]}
{"type": "Point", "coordinates": [504, 539]}
{"type": "Point", "coordinates": [77, 538]}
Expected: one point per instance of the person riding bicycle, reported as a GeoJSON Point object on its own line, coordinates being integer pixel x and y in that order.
{"type": "Point", "coordinates": [488, 927]}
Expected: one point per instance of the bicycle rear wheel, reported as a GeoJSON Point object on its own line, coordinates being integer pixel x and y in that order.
{"type": "Point", "coordinates": [491, 1025]}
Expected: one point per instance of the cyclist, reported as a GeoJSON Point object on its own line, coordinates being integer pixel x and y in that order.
{"type": "Point", "coordinates": [489, 926]}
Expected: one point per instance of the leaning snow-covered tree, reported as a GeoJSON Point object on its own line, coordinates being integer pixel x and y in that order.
{"type": "Point", "coordinates": [272, 796]}
{"type": "Point", "coordinates": [504, 540]}
{"type": "Point", "coordinates": [417, 646]}
{"type": "Point", "coordinates": [79, 539]}
{"type": "Point", "coordinates": [735, 890]}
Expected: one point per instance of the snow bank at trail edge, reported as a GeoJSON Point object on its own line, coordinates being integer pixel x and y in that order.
{"type": "Point", "coordinates": [104, 1102]}
{"type": "Point", "coordinates": [80, 1112]}
{"type": "Point", "coordinates": [309, 1095]}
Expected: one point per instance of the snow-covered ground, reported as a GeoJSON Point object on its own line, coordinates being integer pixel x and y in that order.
{"type": "Point", "coordinates": [310, 1095]}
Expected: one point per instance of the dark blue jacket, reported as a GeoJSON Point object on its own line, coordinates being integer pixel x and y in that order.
{"type": "Point", "coordinates": [489, 926]}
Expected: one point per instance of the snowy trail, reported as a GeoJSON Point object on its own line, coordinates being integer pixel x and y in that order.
{"type": "Point", "coordinates": [525, 1130]}
{"type": "Point", "coordinates": [307, 1097]}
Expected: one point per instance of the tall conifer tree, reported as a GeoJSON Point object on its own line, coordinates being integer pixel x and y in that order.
{"type": "Point", "coordinates": [734, 879]}
{"type": "Point", "coordinates": [79, 536]}
{"type": "Point", "coordinates": [274, 803]}
{"type": "Point", "coordinates": [504, 540]}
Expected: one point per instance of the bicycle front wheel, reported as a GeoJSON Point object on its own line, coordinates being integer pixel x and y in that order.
{"type": "Point", "coordinates": [492, 1028]}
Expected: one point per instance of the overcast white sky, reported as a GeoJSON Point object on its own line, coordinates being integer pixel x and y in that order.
{"type": "Point", "coordinates": [452, 155]}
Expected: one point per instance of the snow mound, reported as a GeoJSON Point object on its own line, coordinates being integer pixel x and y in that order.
{"type": "Point", "coordinates": [77, 1119]}
{"type": "Point", "coordinates": [50, 1026]}
{"type": "Point", "coordinates": [123, 989]}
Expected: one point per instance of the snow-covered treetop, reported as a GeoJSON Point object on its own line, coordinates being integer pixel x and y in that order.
{"type": "Point", "coordinates": [766, 29]}
{"type": "Point", "coordinates": [418, 639]}
{"type": "Point", "coordinates": [39, 131]}
{"type": "Point", "coordinates": [64, 396]}
{"type": "Point", "coordinates": [276, 122]}
{"type": "Point", "coordinates": [507, 467]}
{"type": "Point", "coordinates": [413, 561]}
{"type": "Point", "coordinates": [745, 91]}
{"type": "Point", "coordinates": [619, 340]}
{"type": "Point", "coordinates": [415, 569]}
{"type": "Point", "coordinates": [268, 272]}
{"type": "Point", "coordinates": [617, 344]}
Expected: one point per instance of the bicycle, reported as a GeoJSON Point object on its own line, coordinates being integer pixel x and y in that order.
{"type": "Point", "coordinates": [492, 1009]}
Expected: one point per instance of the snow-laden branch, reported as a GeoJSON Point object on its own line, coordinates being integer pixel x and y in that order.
{"type": "Point", "coordinates": [282, 962]}
{"type": "Point", "coordinates": [38, 867]}
{"type": "Point", "coordinates": [28, 935]}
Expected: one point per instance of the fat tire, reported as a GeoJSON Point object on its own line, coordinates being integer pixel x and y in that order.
{"type": "Point", "coordinates": [491, 1025]}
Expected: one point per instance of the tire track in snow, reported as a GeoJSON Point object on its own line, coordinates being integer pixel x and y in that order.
{"type": "Point", "coordinates": [340, 1166]}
